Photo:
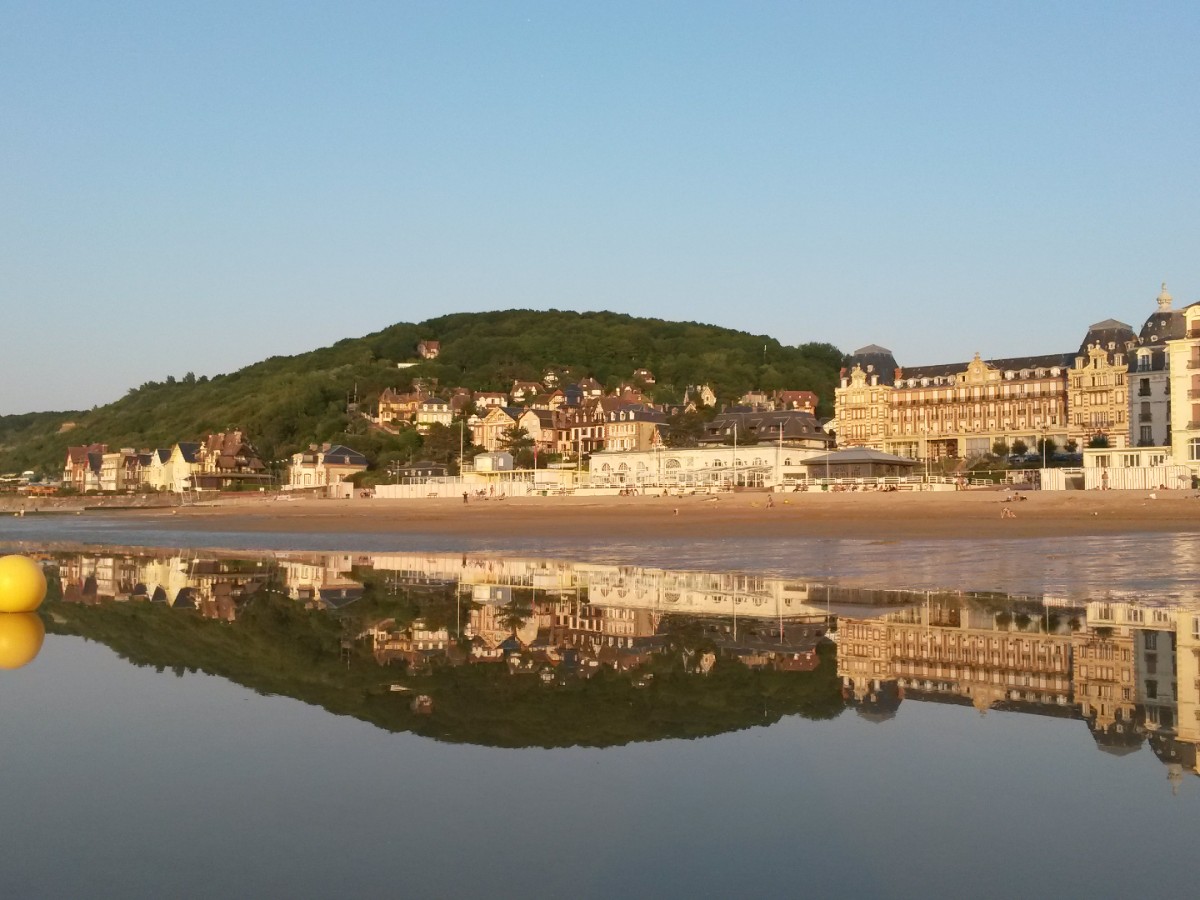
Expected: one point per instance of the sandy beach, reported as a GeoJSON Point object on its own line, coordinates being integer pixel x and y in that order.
{"type": "Point", "coordinates": [879, 516]}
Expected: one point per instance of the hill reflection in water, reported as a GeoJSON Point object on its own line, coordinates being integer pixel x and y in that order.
{"type": "Point", "coordinates": [514, 652]}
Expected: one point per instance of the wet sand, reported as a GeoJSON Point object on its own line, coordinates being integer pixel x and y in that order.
{"type": "Point", "coordinates": [878, 516]}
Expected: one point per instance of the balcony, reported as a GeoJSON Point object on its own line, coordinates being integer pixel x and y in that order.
{"type": "Point", "coordinates": [1145, 417]}
{"type": "Point", "coordinates": [1193, 363]}
{"type": "Point", "coordinates": [1194, 394]}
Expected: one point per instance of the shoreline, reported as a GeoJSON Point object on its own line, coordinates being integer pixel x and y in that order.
{"type": "Point", "coordinates": [877, 516]}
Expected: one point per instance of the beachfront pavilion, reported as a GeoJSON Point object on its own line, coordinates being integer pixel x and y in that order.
{"type": "Point", "coordinates": [859, 462]}
{"type": "Point", "coordinates": [700, 468]}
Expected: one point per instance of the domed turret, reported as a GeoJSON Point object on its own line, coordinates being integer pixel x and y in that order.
{"type": "Point", "coordinates": [1164, 324]}
{"type": "Point", "coordinates": [1164, 298]}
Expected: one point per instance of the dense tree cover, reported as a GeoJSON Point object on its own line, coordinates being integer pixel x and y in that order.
{"type": "Point", "coordinates": [285, 403]}
{"type": "Point", "coordinates": [28, 440]}
{"type": "Point", "coordinates": [684, 429]}
{"type": "Point", "coordinates": [490, 350]}
{"type": "Point", "coordinates": [277, 647]}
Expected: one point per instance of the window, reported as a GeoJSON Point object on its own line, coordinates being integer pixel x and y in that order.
{"type": "Point", "coordinates": [1194, 450]}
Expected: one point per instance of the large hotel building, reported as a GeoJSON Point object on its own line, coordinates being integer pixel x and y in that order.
{"type": "Point", "coordinates": [1114, 391]}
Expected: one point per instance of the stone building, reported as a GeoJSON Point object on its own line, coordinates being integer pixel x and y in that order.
{"type": "Point", "coordinates": [1184, 372]}
{"type": "Point", "coordinates": [1150, 376]}
{"type": "Point", "coordinates": [959, 409]}
{"type": "Point", "coordinates": [1097, 396]}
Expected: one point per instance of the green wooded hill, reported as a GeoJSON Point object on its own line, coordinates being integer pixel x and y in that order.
{"type": "Point", "coordinates": [286, 402]}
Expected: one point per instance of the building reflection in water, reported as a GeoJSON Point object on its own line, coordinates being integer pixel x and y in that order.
{"type": "Point", "coordinates": [1129, 670]}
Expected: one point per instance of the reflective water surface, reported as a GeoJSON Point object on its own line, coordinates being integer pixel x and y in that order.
{"type": "Point", "coordinates": [435, 723]}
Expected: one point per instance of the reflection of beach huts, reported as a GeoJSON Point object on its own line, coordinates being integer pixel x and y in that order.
{"type": "Point", "coordinates": [491, 593]}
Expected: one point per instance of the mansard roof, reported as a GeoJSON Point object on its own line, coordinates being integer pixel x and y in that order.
{"type": "Point", "coordinates": [1003, 364]}
{"type": "Point", "coordinates": [876, 360]}
{"type": "Point", "coordinates": [1110, 334]}
{"type": "Point", "coordinates": [766, 423]}
{"type": "Point", "coordinates": [339, 454]}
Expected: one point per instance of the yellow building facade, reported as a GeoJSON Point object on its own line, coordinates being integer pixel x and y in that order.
{"type": "Point", "coordinates": [973, 408]}
{"type": "Point", "coordinates": [954, 410]}
{"type": "Point", "coordinates": [1184, 357]}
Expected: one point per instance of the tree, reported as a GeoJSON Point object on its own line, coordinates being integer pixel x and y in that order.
{"type": "Point", "coordinates": [1047, 447]}
{"type": "Point", "coordinates": [1072, 445]}
{"type": "Point", "coordinates": [740, 437]}
{"type": "Point", "coordinates": [1019, 447]}
{"type": "Point", "coordinates": [517, 441]}
{"type": "Point", "coordinates": [685, 429]}
{"type": "Point", "coordinates": [442, 443]}
{"type": "Point", "coordinates": [1000, 447]}
{"type": "Point", "coordinates": [1098, 441]}
{"type": "Point", "coordinates": [514, 439]}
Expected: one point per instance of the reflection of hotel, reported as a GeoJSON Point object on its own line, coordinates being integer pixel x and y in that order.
{"type": "Point", "coordinates": [1129, 671]}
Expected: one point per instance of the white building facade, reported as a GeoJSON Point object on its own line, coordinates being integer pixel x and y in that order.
{"type": "Point", "coordinates": [753, 465]}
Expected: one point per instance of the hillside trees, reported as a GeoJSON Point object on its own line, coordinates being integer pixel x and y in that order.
{"type": "Point", "coordinates": [285, 403]}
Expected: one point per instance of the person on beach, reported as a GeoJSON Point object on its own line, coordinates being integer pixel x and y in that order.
{"type": "Point", "coordinates": [466, 497]}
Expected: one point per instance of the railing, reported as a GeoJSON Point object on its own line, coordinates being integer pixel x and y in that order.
{"type": "Point", "coordinates": [1193, 363]}
{"type": "Point", "coordinates": [1194, 394]}
{"type": "Point", "coordinates": [1145, 417]}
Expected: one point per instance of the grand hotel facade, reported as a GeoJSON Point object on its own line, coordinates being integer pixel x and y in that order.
{"type": "Point", "coordinates": [1118, 386]}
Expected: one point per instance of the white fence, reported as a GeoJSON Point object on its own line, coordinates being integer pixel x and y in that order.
{"type": "Point", "coordinates": [453, 487]}
{"type": "Point", "coordinates": [1132, 478]}
{"type": "Point", "coordinates": [1142, 478]}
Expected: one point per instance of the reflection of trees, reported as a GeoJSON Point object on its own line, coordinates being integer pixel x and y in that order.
{"type": "Point", "coordinates": [517, 611]}
{"type": "Point", "coordinates": [278, 647]}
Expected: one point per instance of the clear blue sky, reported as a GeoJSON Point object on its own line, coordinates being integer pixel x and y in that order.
{"type": "Point", "coordinates": [196, 186]}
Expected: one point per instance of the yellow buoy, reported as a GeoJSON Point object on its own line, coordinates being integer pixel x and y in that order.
{"type": "Point", "coordinates": [21, 636]}
{"type": "Point", "coordinates": [22, 584]}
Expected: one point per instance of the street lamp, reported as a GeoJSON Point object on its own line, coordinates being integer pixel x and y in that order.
{"type": "Point", "coordinates": [925, 454]}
